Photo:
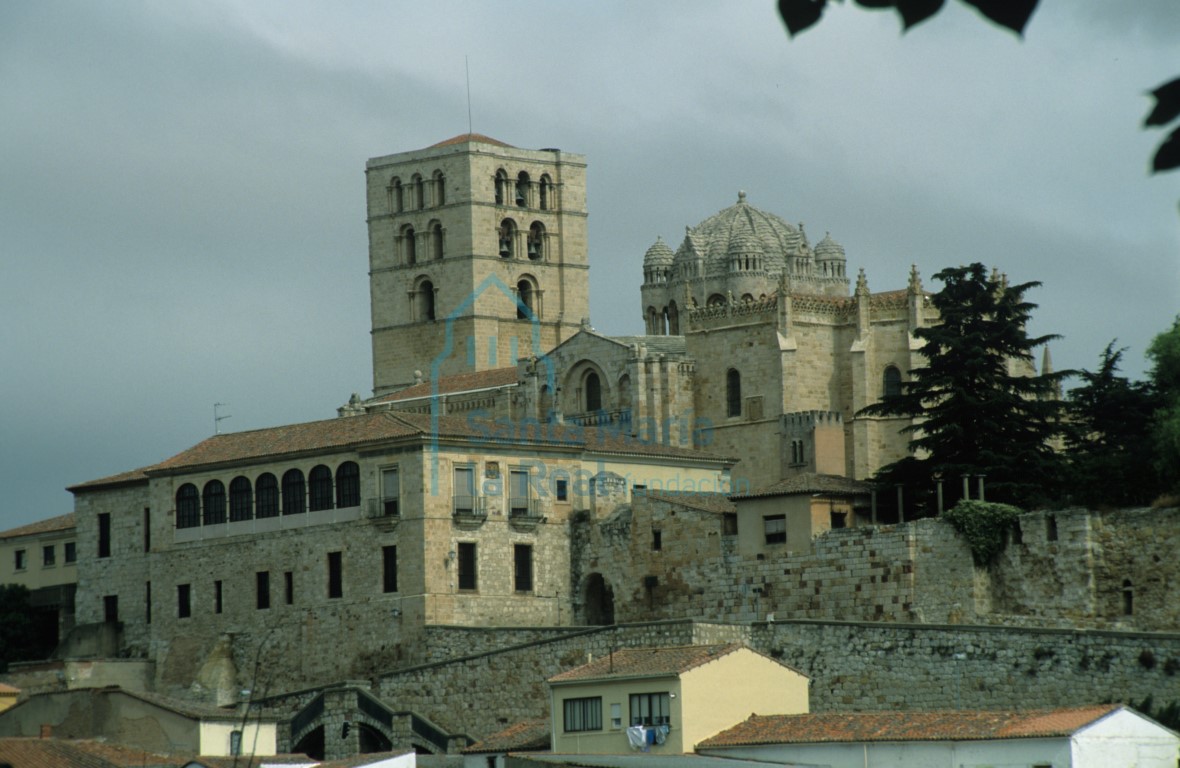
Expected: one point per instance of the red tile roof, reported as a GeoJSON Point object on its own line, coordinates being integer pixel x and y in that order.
{"type": "Point", "coordinates": [463, 138]}
{"type": "Point", "coordinates": [809, 483]}
{"type": "Point", "coordinates": [708, 502]}
{"type": "Point", "coordinates": [123, 478]}
{"type": "Point", "coordinates": [646, 662]}
{"type": "Point", "coordinates": [525, 736]}
{"type": "Point", "coordinates": [60, 753]}
{"type": "Point", "coordinates": [50, 525]}
{"type": "Point", "coordinates": [450, 385]}
{"type": "Point", "coordinates": [848, 727]}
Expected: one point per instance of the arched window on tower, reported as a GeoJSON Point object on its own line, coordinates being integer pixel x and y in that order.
{"type": "Point", "coordinates": [891, 382]}
{"type": "Point", "coordinates": [733, 393]}
{"type": "Point", "coordinates": [522, 189]}
{"type": "Point", "coordinates": [399, 198]}
{"type": "Point", "coordinates": [673, 315]}
{"type": "Point", "coordinates": [409, 245]}
{"type": "Point", "coordinates": [536, 241]}
{"type": "Point", "coordinates": [419, 192]}
{"type": "Point", "coordinates": [592, 389]}
{"type": "Point", "coordinates": [436, 240]}
{"type": "Point", "coordinates": [526, 306]}
{"type": "Point", "coordinates": [507, 235]}
{"type": "Point", "coordinates": [716, 300]}
{"type": "Point", "coordinates": [501, 186]}
{"type": "Point", "coordinates": [546, 190]}
{"type": "Point", "coordinates": [241, 499]}
{"type": "Point", "coordinates": [440, 189]}
{"type": "Point", "coordinates": [213, 501]}
{"type": "Point", "coordinates": [188, 506]}
{"type": "Point", "coordinates": [424, 299]}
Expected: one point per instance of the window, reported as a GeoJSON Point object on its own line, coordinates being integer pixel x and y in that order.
{"type": "Point", "coordinates": [49, 555]}
{"type": "Point", "coordinates": [147, 602]}
{"type": "Point", "coordinates": [289, 587]}
{"type": "Point", "coordinates": [188, 506]}
{"type": "Point", "coordinates": [657, 539]}
{"type": "Point", "coordinates": [104, 534]}
{"type": "Point", "coordinates": [650, 709]}
{"type": "Point", "coordinates": [235, 743]}
{"type": "Point", "coordinates": [147, 529]}
{"type": "Point", "coordinates": [467, 566]}
{"type": "Point", "coordinates": [536, 241]}
{"type": "Point", "coordinates": [389, 569]}
{"type": "Point", "coordinates": [335, 575]}
{"type": "Point", "coordinates": [523, 567]}
{"type": "Point", "coordinates": [419, 190]}
{"type": "Point", "coordinates": [593, 387]}
{"type": "Point", "coordinates": [733, 393]}
{"type": "Point", "coordinates": [1051, 527]}
{"type": "Point", "coordinates": [319, 486]}
{"type": "Point", "coordinates": [110, 609]}
{"type": "Point", "coordinates": [217, 604]}
{"type": "Point", "coordinates": [518, 493]}
{"type": "Point", "coordinates": [775, 529]}
{"type": "Point", "coordinates": [241, 499]}
{"type": "Point", "coordinates": [507, 235]}
{"type": "Point", "coordinates": [436, 240]}
{"type": "Point", "coordinates": [522, 189]}
{"type": "Point", "coordinates": [398, 194]}
{"type": "Point", "coordinates": [184, 605]}
{"type": "Point", "coordinates": [616, 716]}
{"type": "Point", "coordinates": [501, 186]}
{"type": "Point", "coordinates": [891, 382]}
{"type": "Point", "coordinates": [262, 589]}
{"type": "Point", "coordinates": [71, 552]}
{"type": "Point", "coordinates": [293, 493]}
{"type": "Point", "coordinates": [729, 524]}
{"type": "Point", "coordinates": [348, 485]}
{"type": "Point", "coordinates": [391, 492]}
{"type": "Point", "coordinates": [425, 300]}
{"type": "Point", "coordinates": [562, 487]}
{"type": "Point", "coordinates": [1128, 598]}
{"type": "Point", "coordinates": [524, 304]}
{"type": "Point", "coordinates": [213, 502]}
{"type": "Point", "coordinates": [266, 496]}
{"type": "Point", "coordinates": [464, 492]}
{"type": "Point", "coordinates": [546, 190]}
{"type": "Point", "coordinates": [409, 245]}
{"type": "Point", "coordinates": [715, 300]}
{"type": "Point", "coordinates": [21, 560]}
{"type": "Point", "coordinates": [582, 714]}
{"type": "Point", "coordinates": [440, 188]}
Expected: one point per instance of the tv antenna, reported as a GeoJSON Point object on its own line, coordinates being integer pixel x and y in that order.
{"type": "Point", "coordinates": [218, 418]}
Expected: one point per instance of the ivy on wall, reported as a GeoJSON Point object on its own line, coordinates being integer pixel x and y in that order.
{"type": "Point", "coordinates": [984, 524]}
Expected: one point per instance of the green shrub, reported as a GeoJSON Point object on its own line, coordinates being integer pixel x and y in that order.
{"type": "Point", "coordinates": [985, 526]}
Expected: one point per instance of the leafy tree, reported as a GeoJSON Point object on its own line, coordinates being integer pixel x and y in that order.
{"type": "Point", "coordinates": [18, 631]}
{"type": "Point", "coordinates": [1109, 438]}
{"type": "Point", "coordinates": [1164, 352]}
{"type": "Point", "coordinates": [977, 413]}
{"type": "Point", "coordinates": [798, 15]}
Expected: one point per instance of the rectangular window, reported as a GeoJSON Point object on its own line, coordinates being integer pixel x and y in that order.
{"type": "Point", "coordinates": [20, 560]}
{"type": "Point", "coordinates": [104, 534]}
{"type": "Point", "coordinates": [582, 714]}
{"type": "Point", "coordinates": [217, 604]}
{"type": "Point", "coordinates": [518, 493]}
{"type": "Point", "coordinates": [729, 524]}
{"type": "Point", "coordinates": [523, 571]}
{"type": "Point", "coordinates": [563, 490]}
{"type": "Point", "coordinates": [616, 716]}
{"type": "Point", "coordinates": [389, 568]}
{"type": "Point", "coordinates": [650, 709]}
{"type": "Point", "coordinates": [49, 555]}
{"type": "Point", "coordinates": [775, 529]}
{"type": "Point", "coordinates": [184, 605]}
{"type": "Point", "coordinates": [71, 552]}
{"type": "Point", "coordinates": [464, 491]}
{"type": "Point", "coordinates": [262, 584]}
{"type": "Point", "coordinates": [657, 539]}
{"type": "Point", "coordinates": [147, 529]}
{"type": "Point", "coordinates": [467, 566]}
{"type": "Point", "coordinates": [391, 492]}
{"type": "Point", "coordinates": [147, 602]}
{"type": "Point", "coordinates": [289, 587]}
{"type": "Point", "coordinates": [110, 609]}
{"type": "Point", "coordinates": [335, 575]}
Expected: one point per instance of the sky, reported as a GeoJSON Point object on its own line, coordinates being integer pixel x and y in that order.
{"type": "Point", "coordinates": [182, 214]}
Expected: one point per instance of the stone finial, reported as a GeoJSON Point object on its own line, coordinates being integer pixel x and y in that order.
{"type": "Point", "coordinates": [915, 279]}
{"type": "Point", "coordinates": [862, 283]}
{"type": "Point", "coordinates": [417, 377]}
{"type": "Point", "coordinates": [741, 196]}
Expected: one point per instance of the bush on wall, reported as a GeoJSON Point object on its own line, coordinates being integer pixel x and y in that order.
{"type": "Point", "coordinates": [985, 526]}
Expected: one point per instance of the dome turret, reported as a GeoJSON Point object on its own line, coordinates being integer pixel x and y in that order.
{"type": "Point", "coordinates": [657, 262]}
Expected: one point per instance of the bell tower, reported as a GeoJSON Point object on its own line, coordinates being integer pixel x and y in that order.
{"type": "Point", "coordinates": [477, 257]}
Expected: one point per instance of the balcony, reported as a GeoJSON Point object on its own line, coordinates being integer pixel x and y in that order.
{"type": "Point", "coordinates": [469, 510]}
{"type": "Point", "coordinates": [524, 513]}
{"type": "Point", "coordinates": [385, 512]}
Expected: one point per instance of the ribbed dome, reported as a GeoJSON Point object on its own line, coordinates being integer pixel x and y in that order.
{"type": "Point", "coordinates": [658, 255]}
{"type": "Point", "coordinates": [747, 228]}
{"type": "Point", "coordinates": [828, 249]}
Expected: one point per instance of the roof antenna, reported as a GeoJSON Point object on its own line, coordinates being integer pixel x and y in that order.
{"type": "Point", "coordinates": [467, 68]}
{"type": "Point", "coordinates": [217, 418]}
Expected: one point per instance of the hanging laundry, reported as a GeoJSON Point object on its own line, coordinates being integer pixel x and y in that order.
{"type": "Point", "coordinates": [637, 737]}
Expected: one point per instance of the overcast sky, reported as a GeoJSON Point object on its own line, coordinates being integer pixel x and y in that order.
{"type": "Point", "coordinates": [182, 217]}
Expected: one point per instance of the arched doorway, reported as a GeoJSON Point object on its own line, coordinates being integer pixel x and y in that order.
{"type": "Point", "coordinates": [599, 600]}
{"type": "Point", "coordinates": [312, 744]}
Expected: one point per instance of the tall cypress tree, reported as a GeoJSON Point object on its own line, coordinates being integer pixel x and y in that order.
{"type": "Point", "coordinates": [980, 407]}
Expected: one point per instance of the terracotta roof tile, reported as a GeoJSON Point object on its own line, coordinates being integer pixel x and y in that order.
{"type": "Point", "coordinates": [123, 478]}
{"type": "Point", "coordinates": [646, 662]}
{"type": "Point", "coordinates": [5, 688]}
{"type": "Point", "coordinates": [906, 726]}
{"type": "Point", "coordinates": [59, 523]}
{"type": "Point", "coordinates": [708, 502]}
{"type": "Point", "coordinates": [810, 482]}
{"type": "Point", "coordinates": [525, 736]}
{"type": "Point", "coordinates": [60, 753]}
{"type": "Point", "coordinates": [450, 385]}
{"type": "Point", "coordinates": [463, 138]}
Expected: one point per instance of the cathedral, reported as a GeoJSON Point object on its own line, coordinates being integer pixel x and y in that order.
{"type": "Point", "coordinates": [757, 345]}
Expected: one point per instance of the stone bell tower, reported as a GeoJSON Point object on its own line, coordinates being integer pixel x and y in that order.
{"type": "Point", "coordinates": [477, 257]}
